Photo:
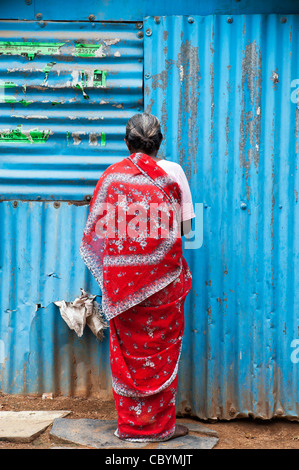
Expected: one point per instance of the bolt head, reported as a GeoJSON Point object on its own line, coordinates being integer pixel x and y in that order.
{"type": "Point", "coordinates": [190, 19]}
{"type": "Point", "coordinates": [148, 32]}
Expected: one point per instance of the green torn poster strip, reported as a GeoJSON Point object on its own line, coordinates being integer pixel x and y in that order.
{"type": "Point", "coordinates": [29, 49]}
{"type": "Point", "coordinates": [89, 50]}
{"type": "Point", "coordinates": [81, 85]}
{"type": "Point", "coordinates": [5, 89]}
{"type": "Point", "coordinates": [34, 136]}
{"type": "Point", "coordinates": [90, 78]}
{"type": "Point", "coordinates": [5, 94]}
{"type": "Point", "coordinates": [99, 78]}
{"type": "Point", "coordinates": [47, 69]}
{"type": "Point", "coordinates": [103, 139]}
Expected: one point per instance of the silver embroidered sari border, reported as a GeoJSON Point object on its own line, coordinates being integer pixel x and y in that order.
{"type": "Point", "coordinates": [124, 391]}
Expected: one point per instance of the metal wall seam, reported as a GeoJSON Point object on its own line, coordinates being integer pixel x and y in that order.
{"type": "Point", "coordinates": [223, 89]}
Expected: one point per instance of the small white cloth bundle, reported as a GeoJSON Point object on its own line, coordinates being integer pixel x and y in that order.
{"type": "Point", "coordinates": [83, 310]}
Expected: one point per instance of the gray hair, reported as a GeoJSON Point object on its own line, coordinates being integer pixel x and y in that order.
{"type": "Point", "coordinates": [143, 133]}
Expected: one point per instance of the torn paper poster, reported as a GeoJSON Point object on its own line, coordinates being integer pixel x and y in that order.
{"type": "Point", "coordinates": [83, 310]}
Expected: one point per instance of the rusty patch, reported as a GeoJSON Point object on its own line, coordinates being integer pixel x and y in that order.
{"type": "Point", "coordinates": [275, 79]}
{"type": "Point", "coordinates": [149, 106]}
{"type": "Point", "coordinates": [250, 121]}
{"type": "Point", "coordinates": [189, 72]}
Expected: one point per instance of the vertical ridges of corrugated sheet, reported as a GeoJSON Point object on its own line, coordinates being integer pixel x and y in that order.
{"type": "Point", "coordinates": [39, 264]}
{"type": "Point", "coordinates": [223, 89]}
{"type": "Point", "coordinates": [67, 90]}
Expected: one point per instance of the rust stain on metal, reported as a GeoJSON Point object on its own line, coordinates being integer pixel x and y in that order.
{"type": "Point", "coordinates": [250, 121]}
{"type": "Point", "coordinates": [78, 203]}
{"type": "Point", "coordinates": [147, 90]}
{"type": "Point", "coordinates": [275, 79]}
{"type": "Point", "coordinates": [149, 106]}
{"type": "Point", "coordinates": [189, 68]}
{"type": "Point", "coordinates": [160, 79]}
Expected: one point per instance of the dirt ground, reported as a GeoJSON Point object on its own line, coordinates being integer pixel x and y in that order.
{"type": "Point", "coordinates": [235, 434]}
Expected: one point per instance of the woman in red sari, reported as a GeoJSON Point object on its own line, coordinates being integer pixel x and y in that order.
{"type": "Point", "coordinates": [132, 245]}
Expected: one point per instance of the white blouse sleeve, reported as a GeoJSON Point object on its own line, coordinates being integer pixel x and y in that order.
{"type": "Point", "coordinates": [187, 209]}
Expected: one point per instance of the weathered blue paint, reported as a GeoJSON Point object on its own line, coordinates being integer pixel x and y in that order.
{"type": "Point", "coordinates": [223, 93]}
{"type": "Point", "coordinates": [81, 103]}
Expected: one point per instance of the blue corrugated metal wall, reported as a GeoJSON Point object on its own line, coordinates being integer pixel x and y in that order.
{"type": "Point", "coordinates": [222, 89]}
{"type": "Point", "coordinates": [40, 263]}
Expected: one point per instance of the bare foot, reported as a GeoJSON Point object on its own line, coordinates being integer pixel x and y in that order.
{"type": "Point", "coordinates": [180, 430]}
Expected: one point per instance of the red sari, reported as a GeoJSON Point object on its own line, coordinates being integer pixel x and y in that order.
{"type": "Point", "coordinates": [135, 254]}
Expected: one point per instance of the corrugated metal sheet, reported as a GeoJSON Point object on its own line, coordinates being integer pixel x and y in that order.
{"type": "Point", "coordinates": [66, 93]}
{"type": "Point", "coordinates": [223, 89]}
{"type": "Point", "coordinates": [40, 263]}
{"type": "Point", "coordinates": [80, 100]}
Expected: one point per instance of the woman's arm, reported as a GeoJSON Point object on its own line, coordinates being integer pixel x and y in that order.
{"type": "Point", "coordinates": [186, 226]}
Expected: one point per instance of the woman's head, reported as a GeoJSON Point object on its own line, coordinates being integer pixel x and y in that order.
{"type": "Point", "coordinates": [143, 134]}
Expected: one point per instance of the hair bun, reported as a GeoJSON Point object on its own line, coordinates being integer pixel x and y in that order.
{"type": "Point", "coordinates": [143, 133]}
